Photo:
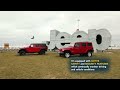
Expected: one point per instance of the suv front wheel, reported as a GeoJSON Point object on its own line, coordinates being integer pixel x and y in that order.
{"type": "Point", "coordinates": [89, 54]}
{"type": "Point", "coordinates": [67, 54]}
{"type": "Point", "coordinates": [42, 52]}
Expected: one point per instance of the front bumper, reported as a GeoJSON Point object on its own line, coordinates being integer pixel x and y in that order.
{"type": "Point", "coordinates": [60, 53]}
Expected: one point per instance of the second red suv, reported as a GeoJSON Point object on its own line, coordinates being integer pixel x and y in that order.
{"type": "Point", "coordinates": [82, 48]}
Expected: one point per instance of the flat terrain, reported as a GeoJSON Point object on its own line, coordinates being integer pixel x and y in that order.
{"type": "Point", "coordinates": [51, 66]}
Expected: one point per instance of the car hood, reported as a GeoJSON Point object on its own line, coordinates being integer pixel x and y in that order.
{"type": "Point", "coordinates": [67, 48]}
{"type": "Point", "coordinates": [24, 47]}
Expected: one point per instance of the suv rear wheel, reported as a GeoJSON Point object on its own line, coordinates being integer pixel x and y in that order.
{"type": "Point", "coordinates": [89, 54]}
{"type": "Point", "coordinates": [67, 54]}
{"type": "Point", "coordinates": [22, 53]}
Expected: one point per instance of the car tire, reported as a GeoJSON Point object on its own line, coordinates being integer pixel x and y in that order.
{"type": "Point", "coordinates": [22, 53]}
{"type": "Point", "coordinates": [89, 54]}
{"type": "Point", "coordinates": [67, 54]}
{"type": "Point", "coordinates": [42, 52]}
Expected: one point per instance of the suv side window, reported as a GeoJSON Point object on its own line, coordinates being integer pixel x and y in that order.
{"type": "Point", "coordinates": [77, 45]}
{"type": "Point", "coordinates": [43, 45]}
{"type": "Point", "coordinates": [34, 45]}
{"type": "Point", "coordinates": [37, 45]}
{"type": "Point", "coordinates": [84, 44]}
{"type": "Point", "coordinates": [89, 44]}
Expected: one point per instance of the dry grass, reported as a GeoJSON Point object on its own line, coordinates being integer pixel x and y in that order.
{"type": "Point", "coordinates": [51, 66]}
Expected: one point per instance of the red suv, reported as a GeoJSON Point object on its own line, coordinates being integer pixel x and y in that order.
{"type": "Point", "coordinates": [39, 48]}
{"type": "Point", "coordinates": [82, 48]}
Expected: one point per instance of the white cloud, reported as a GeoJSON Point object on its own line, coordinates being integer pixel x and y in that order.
{"type": "Point", "coordinates": [17, 27]}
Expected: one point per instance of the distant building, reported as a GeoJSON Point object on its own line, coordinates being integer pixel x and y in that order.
{"type": "Point", "coordinates": [114, 47]}
{"type": "Point", "coordinates": [6, 45]}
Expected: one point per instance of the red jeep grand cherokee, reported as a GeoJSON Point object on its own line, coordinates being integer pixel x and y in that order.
{"type": "Point", "coordinates": [82, 48]}
{"type": "Point", "coordinates": [39, 48]}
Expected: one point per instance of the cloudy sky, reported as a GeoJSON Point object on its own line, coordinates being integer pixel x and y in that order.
{"type": "Point", "coordinates": [17, 27]}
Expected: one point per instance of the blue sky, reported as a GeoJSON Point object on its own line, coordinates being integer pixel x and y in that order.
{"type": "Point", "coordinates": [17, 27]}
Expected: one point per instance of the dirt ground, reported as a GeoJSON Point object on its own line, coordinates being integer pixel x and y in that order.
{"type": "Point", "coordinates": [51, 66]}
